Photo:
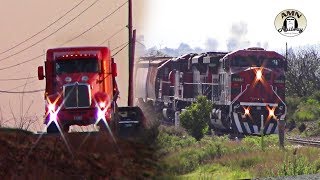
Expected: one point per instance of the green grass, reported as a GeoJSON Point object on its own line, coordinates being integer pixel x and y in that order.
{"type": "Point", "coordinates": [217, 156]}
{"type": "Point", "coordinates": [216, 171]}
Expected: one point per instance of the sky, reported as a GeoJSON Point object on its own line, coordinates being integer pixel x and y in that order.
{"type": "Point", "coordinates": [203, 23]}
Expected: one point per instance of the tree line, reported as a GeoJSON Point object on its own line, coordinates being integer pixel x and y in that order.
{"type": "Point", "coordinates": [303, 72]}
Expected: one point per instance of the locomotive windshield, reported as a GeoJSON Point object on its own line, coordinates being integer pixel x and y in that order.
{"type": "Point", "coordinates": [88, 65]}
{"type": "Point", "coordinates": [256, 62]}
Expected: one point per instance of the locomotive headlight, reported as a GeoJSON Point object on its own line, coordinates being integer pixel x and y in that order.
{"type": "Point", "coordinates": [259, 75]}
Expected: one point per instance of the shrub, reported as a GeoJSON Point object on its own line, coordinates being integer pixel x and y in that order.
{"type": "Point", "coordinates": [298, 165]}
{"type": "Point", "coordinates": [170, 139]}
{"type": "Point", "coordinates": [292, 105]}
{"type": "Point", "coordinates": [256, 142]}
{"type": "Point", "coordinates": [308, 110]}
{"type": "Point", "coordinates": [196, 117]}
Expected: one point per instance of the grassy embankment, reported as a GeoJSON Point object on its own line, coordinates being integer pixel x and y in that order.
{"type": "Point", "coordinates": [181, 156]}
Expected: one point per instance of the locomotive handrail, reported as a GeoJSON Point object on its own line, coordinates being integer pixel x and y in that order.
{"type": "Point", "coordinates": [230, 108]}
{"type": "Point", "coordinates": [202, 83]}
{"type": "Point", "coordinates": [240, 94]}
{"type": "Point", "coordinates": [285, 110]}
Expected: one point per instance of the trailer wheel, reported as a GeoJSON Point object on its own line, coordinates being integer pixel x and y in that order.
{"type": "Point", "coordinates": [52, 128]}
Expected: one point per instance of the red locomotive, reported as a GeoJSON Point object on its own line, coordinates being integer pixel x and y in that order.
{"type": "Point", "coordinates": [247, 87]}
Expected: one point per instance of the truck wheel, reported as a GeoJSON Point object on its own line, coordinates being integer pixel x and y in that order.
{"type": "Point", "coordinates": [66, 128]}
{"type": "Point", "coordinates": [52, 128]}
{"type": "Point", "coordinates": [112, 126]}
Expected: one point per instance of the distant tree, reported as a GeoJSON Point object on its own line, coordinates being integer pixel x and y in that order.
{"type": "Point", "coordinates": [195, 118]}
{"type": "Point", "coordinates": [303, 74]}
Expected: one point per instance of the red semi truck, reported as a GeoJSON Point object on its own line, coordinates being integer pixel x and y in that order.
{"type": "Point", "coordinates": [81, 89]}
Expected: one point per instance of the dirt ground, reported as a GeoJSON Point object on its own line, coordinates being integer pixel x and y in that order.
{"type": "Point", "coordinates": [24, 155]}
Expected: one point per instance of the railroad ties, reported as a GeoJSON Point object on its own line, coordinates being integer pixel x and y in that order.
{"type": "Point", "coordinates": [304, 142]}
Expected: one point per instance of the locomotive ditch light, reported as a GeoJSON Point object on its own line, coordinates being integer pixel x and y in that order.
{"type": "Point", "coordinates": [271, 113]}
{"type": "Point", "coordinates": [246, 112]}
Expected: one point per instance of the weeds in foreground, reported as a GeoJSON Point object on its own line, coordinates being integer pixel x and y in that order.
{"type": "Point", "coordinates": [296, 165]}
{"type": "Point", "coordinates": [190, 158]}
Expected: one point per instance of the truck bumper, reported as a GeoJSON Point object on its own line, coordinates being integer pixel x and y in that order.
{"type": "Point", "coordinates": [81, 117]}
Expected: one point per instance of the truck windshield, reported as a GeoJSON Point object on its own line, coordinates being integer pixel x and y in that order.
{"type": "Point", "coordinates": [77, 65]}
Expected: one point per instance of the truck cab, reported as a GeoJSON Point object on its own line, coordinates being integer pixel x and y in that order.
{"type": "Point", "coordinates": [80, 86]}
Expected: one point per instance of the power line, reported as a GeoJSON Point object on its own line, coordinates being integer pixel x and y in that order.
{"type": "Point", "coordinates": [23, 85]}
{"type": "Point", "coordinates": [120, 50]}
{"type": "Point", "coordinates": [104, 18]}
{"type": "Point", "coordinates": [43, 29]}
{"type": "Point", "coordinates": [21, 92]}
{"type": "Point", "coordinates": [34, 58]}
{"type": "Point", "coordinates": [119, 46]}
{"type": "Point", "coordinates": [113, 35]}
{"type": "Point", "coordinates": [23, 62]}
{"type": "Point", "coordinates": [51, 33]}
{"type": "Point", "coordinates": [17, 79]}
{"type": "Point", "coordinates": [140, 43]}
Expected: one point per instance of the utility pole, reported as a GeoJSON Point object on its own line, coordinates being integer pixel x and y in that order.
{"type": "Point", "coordinates": [282, 122]}
{"type": "Point", "coordinates": [131, 57]}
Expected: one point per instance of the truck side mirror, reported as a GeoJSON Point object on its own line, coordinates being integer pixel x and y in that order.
{"type": "Point", "coordinates": [114, 70]}
{"type": "Point", "coordinates": [40, 73]}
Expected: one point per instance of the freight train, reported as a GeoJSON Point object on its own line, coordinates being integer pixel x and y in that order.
{"type": "Point", "coordinates": [247, 87]}
{"type": "Point", "coordinates": [81, 89]}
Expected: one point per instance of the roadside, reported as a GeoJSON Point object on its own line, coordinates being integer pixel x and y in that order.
{"type": "Point", "coordinates": [94, 156]}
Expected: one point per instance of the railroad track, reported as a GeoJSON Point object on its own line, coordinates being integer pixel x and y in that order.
{"type": "Point", "coordinates": [304, 142]}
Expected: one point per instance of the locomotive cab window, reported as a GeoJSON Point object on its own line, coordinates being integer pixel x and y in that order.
{"type": "Point", "coordinates": [88, 65]}
{"type": "Point", "coordinates": [256, 62]}
{"type": "Point", "coordinates": [273, 63]}
{"type": "Point", "coordinates": [241, 62]}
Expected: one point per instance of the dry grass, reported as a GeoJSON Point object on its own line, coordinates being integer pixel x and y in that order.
{"type": "Point", "coordinates": [97, 158]}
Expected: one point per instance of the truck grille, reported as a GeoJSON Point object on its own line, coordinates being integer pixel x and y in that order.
{"type": "Point", "coordinates": [77, 95]}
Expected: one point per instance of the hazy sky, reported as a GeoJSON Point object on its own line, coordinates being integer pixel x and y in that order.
{"type": "Point", "coordinates": [22, 19]}
{"type": "Point", "coordinates": [171, 22]}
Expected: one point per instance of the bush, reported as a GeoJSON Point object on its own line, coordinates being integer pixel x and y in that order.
{"type": "Point", "coordinates": [255, 141]}
{"type": "Point", "coordinates": [298, 165]}
{"type": "Point", "coordinates": [190, 158]}
{"type": "Point", "coordinates": [292, 105]}
{"type": "Point", "coordinates": [196, 117]}
{"type": "Point", "coordinates": [171, 139]}
{"type": "Point", "coordinates": [308, 110]}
